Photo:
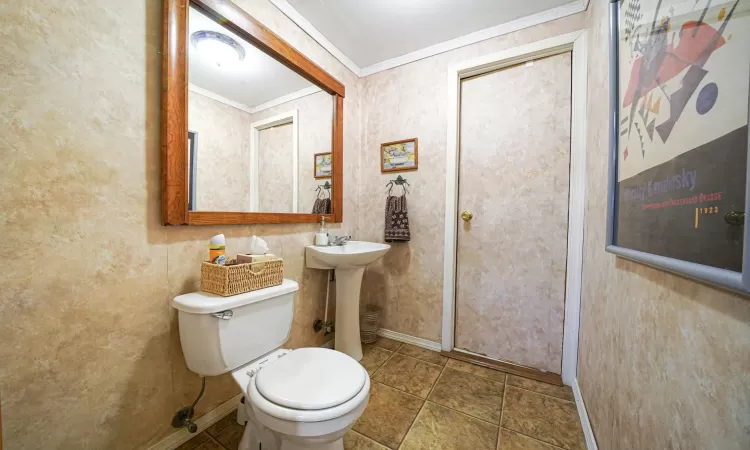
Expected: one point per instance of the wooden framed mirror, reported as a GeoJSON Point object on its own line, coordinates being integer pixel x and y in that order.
{"type": "Point", "coordinates": [252, 130]}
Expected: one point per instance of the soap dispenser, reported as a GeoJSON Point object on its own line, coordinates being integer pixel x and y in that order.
{"type": "Point", "coordinates": [322, 237]}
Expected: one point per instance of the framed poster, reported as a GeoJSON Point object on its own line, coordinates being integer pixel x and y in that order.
{"type": "Point", "coordinates": [678, 163]}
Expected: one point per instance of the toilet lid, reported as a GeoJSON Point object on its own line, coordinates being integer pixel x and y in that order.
{"type": "Point", "coordinates": [311, 378]}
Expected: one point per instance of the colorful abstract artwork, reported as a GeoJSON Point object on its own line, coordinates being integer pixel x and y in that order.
{"type": "Point", "coordinates": [683, 86]}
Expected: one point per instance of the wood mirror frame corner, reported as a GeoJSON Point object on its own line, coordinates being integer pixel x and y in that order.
{"type": "Point", "coordinates": [174, 122]}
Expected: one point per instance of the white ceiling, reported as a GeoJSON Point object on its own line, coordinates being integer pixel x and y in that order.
{"type": "Point", "coordinates": [370, 32]}
{"type": "Point", "coordinates": [255, 80]}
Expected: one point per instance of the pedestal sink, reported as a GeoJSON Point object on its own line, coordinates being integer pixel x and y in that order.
{"type": "Point", "coordinates": [349, 262]}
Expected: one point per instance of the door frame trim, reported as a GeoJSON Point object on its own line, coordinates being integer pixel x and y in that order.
{"type": "Point", "coordinates": [574, 42]}
{"type": "Point", "coordinates": [289, 117]}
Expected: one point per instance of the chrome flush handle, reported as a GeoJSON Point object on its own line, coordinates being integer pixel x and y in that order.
{"type": "Point", "coordinates": [223, 315]}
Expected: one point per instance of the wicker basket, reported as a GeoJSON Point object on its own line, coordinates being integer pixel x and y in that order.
{"type": "Point", "coordinates": [234, 279]}
{"type": "Point", "coordinates": [369, 322]}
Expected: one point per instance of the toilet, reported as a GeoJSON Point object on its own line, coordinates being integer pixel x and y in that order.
{"type": "Point", "coordinates": [294, 399]}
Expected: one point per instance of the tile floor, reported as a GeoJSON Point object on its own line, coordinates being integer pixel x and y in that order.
{"type": "Point", "coordinates": [422, 400]}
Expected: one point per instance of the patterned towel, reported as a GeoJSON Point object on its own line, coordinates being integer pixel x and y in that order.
{"type": "Point", "coordinates": [322, 206]}
{"type": "Point", "coordinates": [396, 219]}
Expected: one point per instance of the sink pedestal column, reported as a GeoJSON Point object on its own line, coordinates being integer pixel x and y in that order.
{"type": "Point", "coordinates": [348, 287]}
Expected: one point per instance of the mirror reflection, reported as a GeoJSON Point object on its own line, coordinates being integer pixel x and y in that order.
{"type": "Point", "coordinates": [260, 136]}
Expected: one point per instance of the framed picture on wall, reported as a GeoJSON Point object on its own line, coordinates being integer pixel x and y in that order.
{"type": "Point", "coordinates": [323, 165]}
{"type": "Point", "coordinates": [399, 156]}
{"type": "Point", "coordinates": [679, 99]}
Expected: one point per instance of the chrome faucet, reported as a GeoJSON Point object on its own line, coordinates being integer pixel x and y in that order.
{"type": "Point", "coordinates": [338, 240]}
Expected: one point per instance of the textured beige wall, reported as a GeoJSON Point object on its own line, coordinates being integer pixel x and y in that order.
{"type": "Point", "coordinates": [90, 347]}
{"type": "Point", "coordinates": [222, 175]}
{"type": "Point", "coordinates": [405, 102]}
{"type": "Point", "coordinates": [510, 298]}
{"type": "Point", "coordinates": [664, 362]}
{"type": "Point", "coordinates": [315, 115]}
{"type": "Point", "coordinates": [275, 176]}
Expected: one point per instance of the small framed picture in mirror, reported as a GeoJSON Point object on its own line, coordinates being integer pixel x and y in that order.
{"type": "Point", "coordinates": [398, 156]}
{"type": "Point", "coordinates": [323, 165]}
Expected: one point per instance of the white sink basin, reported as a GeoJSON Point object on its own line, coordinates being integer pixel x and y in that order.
{"type": "Point", "coordinates": [349, 261]}
{"type": "Point", "coordinates": [349, 256]}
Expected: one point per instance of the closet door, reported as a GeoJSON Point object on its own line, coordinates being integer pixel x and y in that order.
{"type": "Point", "coordinates": [513, 182]}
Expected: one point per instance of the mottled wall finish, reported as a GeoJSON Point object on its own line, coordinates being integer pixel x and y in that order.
{"type": "Point", "coordinates": [275, 174]}
{"type": "Point", "coordinates": [663, 361]}
{"type": "Point", "coordinates": [514, 173]}
{"type": "Point", "coordinates": [315, 115]}
{"type": "Point", "coordinates": [405, 102]}
{"type": "Point", "coordinates": [91, 355]}
{"type": "Point", "coordinates": [222, 175]}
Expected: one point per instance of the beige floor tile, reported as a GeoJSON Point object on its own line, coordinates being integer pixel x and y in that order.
{"type": "Point", "coordinates": [210, 444]}
{"type": "Point", "coordinates": [224, 422]}
{"type": "Point", "coordinates": [423, 354]}
{"type": "Point", "coordinates": [484, 372]}
{"type": "Point", "coordinates": [510, 440]}
{"type": "Point", "coordinates": [195, 441]}
{"type": "Point", "coordinates": [355, 441]}
{"type": "Point", "coordinates": [563, 392]}
{"type": "Point", "coordinates": [374, 357]}
{"type": "Point", "coordinates": [230, 436]}
{"type": "Point", "coordinates": [408, 374]}
{"type": "Point", "coordinates": [470, 394]}
{"type": "Point", "coordinates": [546, 418]}
{"type": "Point", "coordinates": [440, 428]}
{"type": "Point", "coordinates": [388, 416]}
{"type": "Point", "coordinates": [388, 344]}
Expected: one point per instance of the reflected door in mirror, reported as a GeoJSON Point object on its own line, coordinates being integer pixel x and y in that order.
{"type": "Point", "coordinates": [260, 125]}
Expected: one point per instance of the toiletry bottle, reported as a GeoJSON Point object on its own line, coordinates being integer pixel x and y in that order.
{"type": "Point", "coordinates": [217, 250]}
{"type": "Point", "coordinates": [322, 237]}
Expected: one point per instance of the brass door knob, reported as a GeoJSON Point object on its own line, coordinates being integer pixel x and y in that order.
{"type": "Point", "coordinates": [467, 216]}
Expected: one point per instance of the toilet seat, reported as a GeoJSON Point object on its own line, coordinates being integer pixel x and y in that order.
{"type": "Point", "coordinates": [311, 379]}
{"type": "Point", "coordinates": [318, 398]}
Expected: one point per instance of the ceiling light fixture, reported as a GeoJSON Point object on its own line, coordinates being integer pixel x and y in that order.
{"type": "Point", "coordinates": [218, 47]}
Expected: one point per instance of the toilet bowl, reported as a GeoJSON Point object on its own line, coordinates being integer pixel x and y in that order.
{"type": "Point", "coordinates": [304, 399]}
{"type": "Point", "coordinates": [294, 399]}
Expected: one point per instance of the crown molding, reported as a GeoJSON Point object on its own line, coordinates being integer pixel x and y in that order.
{"type": "Point", "coordinates": [287, 98]}
{"type": "Point", "coordinates": [252, 110]}
{"type": "Point", "coordinates": [221, 99]}
{"type": "Point", "coordinates": [574, 7]}
{"type": "Point", "coordinates": [313, 32]}
{"type": "Point", "coordinates": [477, 36]}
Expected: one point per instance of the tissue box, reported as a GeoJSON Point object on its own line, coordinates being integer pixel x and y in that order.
{"type": "Point", "coordinates": [244, 259]}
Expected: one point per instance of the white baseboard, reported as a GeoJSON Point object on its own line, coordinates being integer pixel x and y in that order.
{"type": "Point", "coordinates": [419, 342]}
{"type": "Point", "coordinates": [588, 432]}
{"type": "Point", "coordinates": [182, 435]}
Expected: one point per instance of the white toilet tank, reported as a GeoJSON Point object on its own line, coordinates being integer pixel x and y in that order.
{"type": "Point", "coordinates": [253, 324]}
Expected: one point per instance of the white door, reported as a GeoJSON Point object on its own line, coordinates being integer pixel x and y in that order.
{"type": "Point", "coordinates": [514, 180]}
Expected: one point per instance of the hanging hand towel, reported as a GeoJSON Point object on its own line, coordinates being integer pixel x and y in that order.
{"type": "Point", "coordinates": [396, 219]}
{"type": "Point", "coordinates": [322, 206]}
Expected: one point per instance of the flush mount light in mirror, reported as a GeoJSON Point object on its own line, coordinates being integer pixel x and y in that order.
{"type": "Point", "coordinates": [260, 126]}
{"type": "Point", "coordinates": [240, 147]}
